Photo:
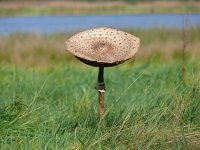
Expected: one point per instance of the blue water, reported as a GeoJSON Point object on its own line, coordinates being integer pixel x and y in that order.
{"type": "Point", "coordinates": [52, 24]}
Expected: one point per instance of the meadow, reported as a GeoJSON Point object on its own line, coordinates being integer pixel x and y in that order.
{"type": "Point", "coordinates": [48, 100]}
{"type": "Point", "coordinates": [34, 8]}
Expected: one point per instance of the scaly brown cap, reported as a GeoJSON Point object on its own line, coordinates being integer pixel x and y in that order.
{"type": "Point", "coordinates": [103, 46]}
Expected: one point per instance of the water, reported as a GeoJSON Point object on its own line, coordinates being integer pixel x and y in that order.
{"type": "Point", "coordinates": [52, 24]}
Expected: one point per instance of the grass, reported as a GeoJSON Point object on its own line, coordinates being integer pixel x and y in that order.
{"type": "Point", "coordinates": [48, 100]}
{"type": "Point", "coordinates": [156, 45]}
{"type": "Point", "coordinates": [55, 107]}
{"type": "Point", "coordinates": [77, 8]}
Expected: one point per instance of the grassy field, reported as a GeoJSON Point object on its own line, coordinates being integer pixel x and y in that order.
{"type": "Point", "coordinates": [34, 50]}
{"type": "Point", "coordinates": [9, 8]}
{"type": "Point", "coordinates": [48, 100]}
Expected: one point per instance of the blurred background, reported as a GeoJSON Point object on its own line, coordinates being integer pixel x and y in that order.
{"type": "Point", "coordinates": [33, 32]}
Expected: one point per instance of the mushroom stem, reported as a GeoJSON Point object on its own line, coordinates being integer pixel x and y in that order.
{"type": "Point", "coordinates": [101, 89]}
{"type": "Point", "coordinates": [100, 75]}
{"type": "Point", "coordinates": [101, 104]}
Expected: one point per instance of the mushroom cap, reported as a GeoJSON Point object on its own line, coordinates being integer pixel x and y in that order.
{"type": "Point", "coordinates": [103, 47]}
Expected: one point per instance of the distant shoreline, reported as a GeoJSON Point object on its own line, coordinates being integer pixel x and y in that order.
{"type": "Point", "coordinates": [76, 8]}
{"type": "Point", "coordinates": [54, 24]}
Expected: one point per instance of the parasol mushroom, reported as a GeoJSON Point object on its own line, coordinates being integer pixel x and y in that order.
{"type": "Point", "coordinates": [102, 47]}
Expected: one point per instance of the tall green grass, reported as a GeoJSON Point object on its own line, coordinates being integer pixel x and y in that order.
{"type": "Point", "coordinates": [55, 107]}
{"type": "Point", "coordinates": [48, 100]}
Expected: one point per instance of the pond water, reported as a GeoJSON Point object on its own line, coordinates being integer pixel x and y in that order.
{"type": "Point", "coordinates": [52, 24]}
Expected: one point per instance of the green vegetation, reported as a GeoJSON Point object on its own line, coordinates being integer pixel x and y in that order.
{"type": "Point", "coordinates": [48, 100]}
{"type": "Point", "coordinates": [56, 107]}
{"type": "Point", "coordinates": [77, 8]}
{"type": "Point", "coordinates": [132, 1]}
{"type": "Point", "coordinates": [35, 50]}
